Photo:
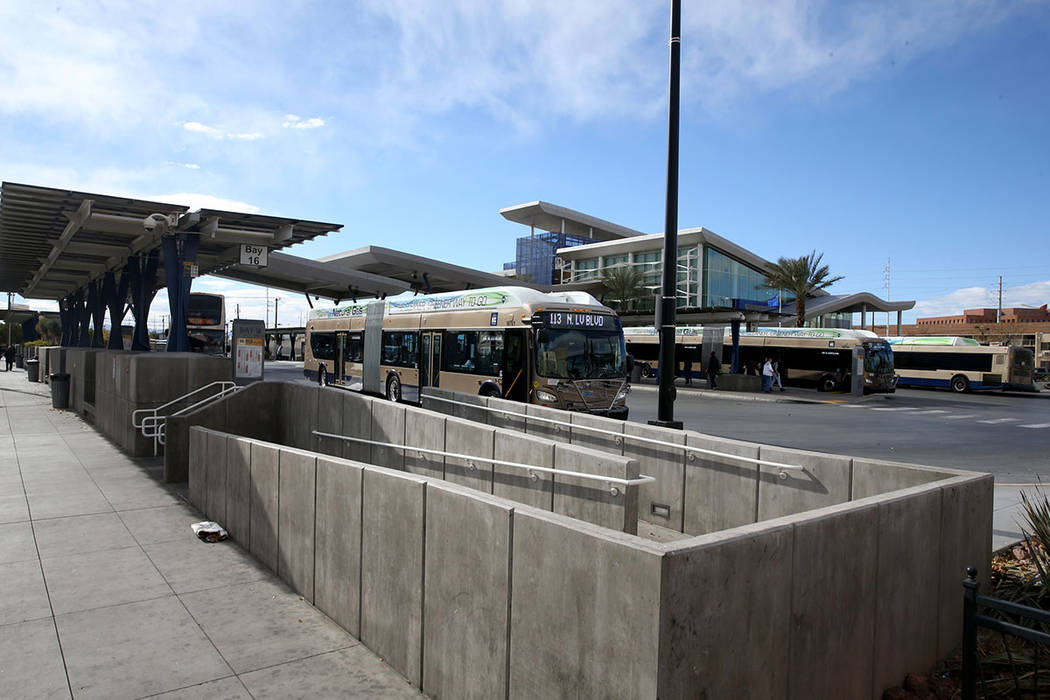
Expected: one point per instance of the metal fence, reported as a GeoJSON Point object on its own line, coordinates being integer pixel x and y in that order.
{"type": "Point", "coordinates": [1025, 671]}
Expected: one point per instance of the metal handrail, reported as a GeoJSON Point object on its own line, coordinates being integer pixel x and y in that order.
{"type": "Point", "coordinates": [156, 411]}
{"type": "Point", "coordinates": [153, 424]}
{"type": "Point", "coordinates": [638, 438]}
{"type": "Point", "coordinates": [640, 479]}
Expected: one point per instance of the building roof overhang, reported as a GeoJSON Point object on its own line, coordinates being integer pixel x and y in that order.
{"type": "Point", "coordinates": [848, 303]}
{"type": "Point", "coordinates": [551, 217]}
{"type": "Point", "coordinates": [417, 272]}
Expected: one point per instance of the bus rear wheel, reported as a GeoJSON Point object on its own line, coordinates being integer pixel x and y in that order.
{"type": "Point", "coordinates": [960, 384]}
{"type": "Point", "coordinates": [393, 389]}
{"type": "Point", "coordinates": [322, 376]}
{"type": "Point", "coordinates": [827, 383]}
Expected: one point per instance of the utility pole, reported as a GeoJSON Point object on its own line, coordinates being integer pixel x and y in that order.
{"type": "Point", "coordinates": [999, 310]}
{"type": "Point", "coordinates": [10, 299]}
{"type": "Point", "coordinates": [238, 312]}
{"type": "Point", "coordinates": [668, 298]}
{"type": "Point", "coordinates": [275, 300]}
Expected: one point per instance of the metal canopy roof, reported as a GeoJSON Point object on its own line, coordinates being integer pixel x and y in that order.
{"type": "Point", "coordinates": [848, 303]}
{"type": "Point", "coordinates": [410, 269]}
{"type": "Point", "coordinates": [296, 274]}
{"type": "Point", "coordinates": [551, 217]}
{"type": "Point", "coordinates": [53, 242]}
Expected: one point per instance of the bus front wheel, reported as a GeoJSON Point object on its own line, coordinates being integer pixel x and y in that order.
{"type": "Point", "coordinates": [322, 376]}
{"type": "Point", "coordinates": [393, 389]}
{"type": "Point", "coordinates": [960, 384]}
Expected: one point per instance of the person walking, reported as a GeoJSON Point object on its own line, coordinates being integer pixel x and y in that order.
{"type": "Point", "coordinates": [776, 376]}
{"type": "Point", "coordinates": [9, 357]}
{"type": "Point", "coordinates": [687, 366]}
{"type": "Point", "coordinates": [767, 376]}
{"type": "Point", "coordinates": [713, 367]}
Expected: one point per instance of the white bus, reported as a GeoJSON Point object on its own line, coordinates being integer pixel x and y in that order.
{"type": "Point", "coordinates": [562, 349]}
{"type": "Point", "coordinates": [961, 364]}
{"type": "Point", "coordinates": [820, 357]}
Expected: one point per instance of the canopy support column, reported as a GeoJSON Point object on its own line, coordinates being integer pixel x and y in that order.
{"type": "Point", "coordinates": [179, 250]}
{"type": "Point", "coordinates": [863, 316]}
{"type": "Point", "coordinates": [65, 318]}
{"type": "Point", "coordinates": [116, 298]}
{"type": "Point", "coordinates": [143, 273]}
{"type": "Point", "coordinates": [97, 309]}
{"type": "Point", "coordinates": [83, 319]}
{"type": "Point", "coordinates": [29, 332]}
{"type": "Point", "coordinates": [734, 363]}
{"type": "Point", "coordinates": [899, 322]}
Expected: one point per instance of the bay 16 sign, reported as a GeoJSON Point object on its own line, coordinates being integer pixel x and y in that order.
{"type": "Point", "coordinates": [253, 255]}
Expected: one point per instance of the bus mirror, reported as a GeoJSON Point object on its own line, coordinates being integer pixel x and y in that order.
{"type": "Point", "coordinates": [543, 335]}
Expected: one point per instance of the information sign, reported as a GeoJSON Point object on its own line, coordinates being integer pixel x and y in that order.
{"type": "Point", "coordinates": [253, 255]}
{"type": "Point", "coordinates": [248, 339]}
{"type": "Point", "coordinates": [575, 319]}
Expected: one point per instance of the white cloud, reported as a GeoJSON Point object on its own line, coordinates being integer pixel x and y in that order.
{"type": "Point", "coordinates": [291, 121]}
{"type": "Point", "coordinates": [198, 128]}
{"type": "Point", "coordinates": [188, 166]}
{"type": "Point", "coordinates": [1032, 294]}
{"type": "Point", "coordinates": [250, 136]}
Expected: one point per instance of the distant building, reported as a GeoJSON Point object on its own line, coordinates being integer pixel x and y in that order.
{"type": "Point", "coordinates": [1015, 314]}
{"type": "Point", "coordinates": [714, 274]}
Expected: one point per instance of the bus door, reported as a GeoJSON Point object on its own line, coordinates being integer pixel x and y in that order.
{"type": "Point", "coordinates": [514, 366]}
{"type": "Point", "coordinates": [339, 370]}
{"type": "Point", "coordinates": [430, 366]}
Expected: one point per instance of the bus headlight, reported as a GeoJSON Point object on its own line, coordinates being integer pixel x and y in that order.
{"type": "Point", "coordinates": [621, 395]}
{"type": "Point", "coordinates": [546, 396]}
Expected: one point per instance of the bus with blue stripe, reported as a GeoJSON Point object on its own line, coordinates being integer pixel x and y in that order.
{"type": "Point", "coordinates": [961, 364]}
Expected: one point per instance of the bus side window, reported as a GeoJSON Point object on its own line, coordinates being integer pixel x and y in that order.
{"type": "Point", "coordinates": [355, 347]}
{"type": "Point", "coordinates": [323, 346]}
{"type": "Point", "coordinates": [458, 355]}
{"type": "Point", "coordinates": [400, 348]}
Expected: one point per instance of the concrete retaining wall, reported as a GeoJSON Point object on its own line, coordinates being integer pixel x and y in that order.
{"type": "Point", "coordinates": [697, 492]}
{"type": "Point", "coordinates": [470, 595]}
{"type": "Point", "coordinates": [288, 414]}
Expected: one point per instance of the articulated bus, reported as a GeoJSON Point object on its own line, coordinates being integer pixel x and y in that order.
{"type": "Point", "coordinates": [961, 364]}
{"type": "Point", "coordinates": [820, 357]}
{"type": "Point", "coordinates": [206, 323]}
{"type": "Point", "coordinates": [563, 349]}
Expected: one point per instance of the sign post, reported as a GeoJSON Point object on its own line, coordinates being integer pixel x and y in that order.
{"type": "Point", "coordinates": [248, 339]}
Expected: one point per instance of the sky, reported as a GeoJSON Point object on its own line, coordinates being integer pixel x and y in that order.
{"type": "Point", "coordinates": [911, 134]}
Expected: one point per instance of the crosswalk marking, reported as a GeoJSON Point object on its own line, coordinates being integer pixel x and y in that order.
{"type": "Point", "coordinates": [996, 421]}
{"type": "Point", "coordinates": [968, 415]}
{"type": "Point", "coordinates": [1035, 425]}
{"type": "Point", "coordinates": [893, 409]}
{"type": "Point", "coordinates": [923, 413]}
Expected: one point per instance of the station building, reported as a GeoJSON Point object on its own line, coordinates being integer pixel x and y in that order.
{"type": "Point", "coordinates": [715, 276]}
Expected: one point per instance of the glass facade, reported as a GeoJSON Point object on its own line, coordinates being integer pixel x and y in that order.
{"type": "Point", "coordinates": [836, 320]}
{"type": "Point", "coordinates": [727, 282]}
{"type": "Point", "coordinates": [536, 256]}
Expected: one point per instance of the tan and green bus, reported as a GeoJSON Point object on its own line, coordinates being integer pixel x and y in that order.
{"type": "Point", "coordinates": [563, 349]}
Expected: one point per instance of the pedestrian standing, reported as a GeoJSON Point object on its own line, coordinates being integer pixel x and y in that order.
{"type": "Point", "coordinates": [776, 376]}
{"type": "Point", "coordinates": [713, 368]}
{"type": "Point", "coordinates": [9, 357]}
{"type": "Point", "coordinates": [687, 365]}
{"type": "Point", "coordinates": [767, 376]}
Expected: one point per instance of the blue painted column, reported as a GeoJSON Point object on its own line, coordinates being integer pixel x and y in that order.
{"type": "Point", "coordinates": [116, 298]}
{"type": "Point", "coordinates": [65, 320]}
{"type": "Point", "coordinates": [29, 332]}
{"type": "Point", "coordinates": [734, 367]}
{"type": "Point", "coordinates": [83, 339]}
{"type": "Point", "coordinates": [179, 250]}
{"type": "Point", "coordinates": [142, 270]}
{"type": "Point", "coordinates": [97, 309]}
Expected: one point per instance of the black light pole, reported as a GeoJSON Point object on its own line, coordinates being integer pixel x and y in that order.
{"type": "Point", "coordinates": [668, 300]}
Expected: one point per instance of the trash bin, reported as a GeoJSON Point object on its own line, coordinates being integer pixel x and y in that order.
{"type": "Point", "coordinates": [60, 390]}
{"type": "Point", "coordinates": [33, 370]}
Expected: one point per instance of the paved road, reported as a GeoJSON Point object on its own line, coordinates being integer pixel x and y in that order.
{"type": "Point", "coordinates": [1008, 436]}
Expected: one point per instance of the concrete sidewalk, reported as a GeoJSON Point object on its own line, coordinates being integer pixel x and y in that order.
{"type": "Point", "coordinates": [107, 593]}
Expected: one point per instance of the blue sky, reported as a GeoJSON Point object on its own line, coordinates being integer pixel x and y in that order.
{"type": "Point", "coordinates": [912, 130]}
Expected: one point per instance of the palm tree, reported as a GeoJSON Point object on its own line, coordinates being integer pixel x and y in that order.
{"type": "Point", "coordinates": [623, 285]}
{"type": "Point", "coordinates": [800, 276]}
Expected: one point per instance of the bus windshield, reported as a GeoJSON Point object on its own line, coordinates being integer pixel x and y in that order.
{"type": "Point", "coordinates": [878, 358]}
{"type": "Point", "coordinates": [580, 354]}
{"type": "Point", "coordinates": [204, 310]}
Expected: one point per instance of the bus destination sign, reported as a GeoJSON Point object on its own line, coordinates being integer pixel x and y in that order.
{"type": "Point", "coordinates": [574, 319]}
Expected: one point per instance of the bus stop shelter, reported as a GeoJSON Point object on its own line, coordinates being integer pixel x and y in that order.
{"type": "Point", "coordinates": [97, 252]}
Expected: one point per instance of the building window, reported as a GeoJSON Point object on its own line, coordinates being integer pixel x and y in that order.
{"type": "Point", "coordinates": [584, 270]}
{"type": "Point", "coordinates": [726, 281]}
{"type": "Point", "coordinates": [610, 261]}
